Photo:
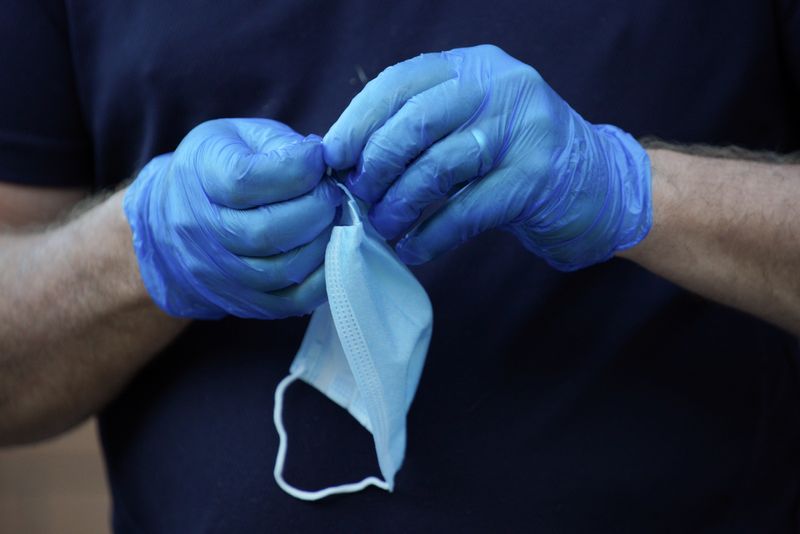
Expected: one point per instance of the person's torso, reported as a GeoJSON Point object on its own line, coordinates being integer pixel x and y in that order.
{"type": "Point", "coordinates": [603, 400]}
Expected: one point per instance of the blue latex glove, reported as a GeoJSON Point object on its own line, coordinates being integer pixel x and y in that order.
{"type": "Point", "coordinates": [572, 192]}
{"type": "Point", "coordinates": [235, 221]}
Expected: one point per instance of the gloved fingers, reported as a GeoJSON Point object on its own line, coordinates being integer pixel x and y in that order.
{"type": "Point", "coordinates": [265, 135]}
{"type": "Point", "coordinates": [455, 159]}
{"type": "Point", "coordinates": [474, 209]}
{"type": "Point", "coordinates": [424, 119]}
{"type": "Point", "coordinates": [299, 299]}
{"type": "Point", "coordinates": [378, 101]}
{"type": "Point", "coordinates": [283, 270]}
{"type": "Point", "coordinates": [233, 174]}
{"type": "Point", "coordinates": [275, 228]}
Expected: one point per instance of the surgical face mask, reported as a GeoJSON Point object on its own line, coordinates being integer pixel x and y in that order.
{"type": "Point", "coordinates": [365, 348]}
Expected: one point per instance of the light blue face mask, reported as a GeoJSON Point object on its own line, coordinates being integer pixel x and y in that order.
{"type": "Point", "coordinates": [365, 348]}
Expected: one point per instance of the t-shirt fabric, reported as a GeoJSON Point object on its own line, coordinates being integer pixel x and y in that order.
{"type": "Point", "coordinates": [605, 400]}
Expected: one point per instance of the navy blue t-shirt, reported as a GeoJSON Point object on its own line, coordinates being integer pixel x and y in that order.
{"type": "Point", "coordinates": [605, 400]}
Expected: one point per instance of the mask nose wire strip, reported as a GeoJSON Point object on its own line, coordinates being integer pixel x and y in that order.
{"type": "Point", "coordinates": [283, 443]}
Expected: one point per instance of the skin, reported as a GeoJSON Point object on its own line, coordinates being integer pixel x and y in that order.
{"type": "Point", "coordinates": [76, 323]}
{"type": "Point", "coordinates": [729, 230]}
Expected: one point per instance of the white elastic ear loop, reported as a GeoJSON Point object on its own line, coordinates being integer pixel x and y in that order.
{"type": "Point", "coordinates": [280, 460]}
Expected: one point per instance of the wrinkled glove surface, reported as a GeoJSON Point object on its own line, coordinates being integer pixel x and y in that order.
{"type": "Point", "coordinates": [480, 139]}
{"type": "Point", "coordinates": [235, 221]}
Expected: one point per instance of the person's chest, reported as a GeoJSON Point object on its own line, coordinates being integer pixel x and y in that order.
{"type": "Point", "coordinates": [149, 71]}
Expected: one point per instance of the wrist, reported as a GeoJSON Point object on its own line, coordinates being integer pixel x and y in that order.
{"type": "Point", "coordinates": [106, 232]}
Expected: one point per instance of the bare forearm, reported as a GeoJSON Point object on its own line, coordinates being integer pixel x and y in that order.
{"type": "Point", "coordinates": [75, 322]}
{"type": "Point", "coordinates": [728, 229]}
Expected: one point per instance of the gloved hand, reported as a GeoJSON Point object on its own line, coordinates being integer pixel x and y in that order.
{"type": "Point", "coordinates": [572, 192]}
{"type": "Point", "coordinates": [235, 221]}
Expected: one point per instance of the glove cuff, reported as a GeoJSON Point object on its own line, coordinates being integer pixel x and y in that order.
{"type": "Point", "coordinates": [605, 203]}
{"type": "Point", "coordinates": [157, 275]}
{"type": "Point", "coordinates": [632, 177]}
